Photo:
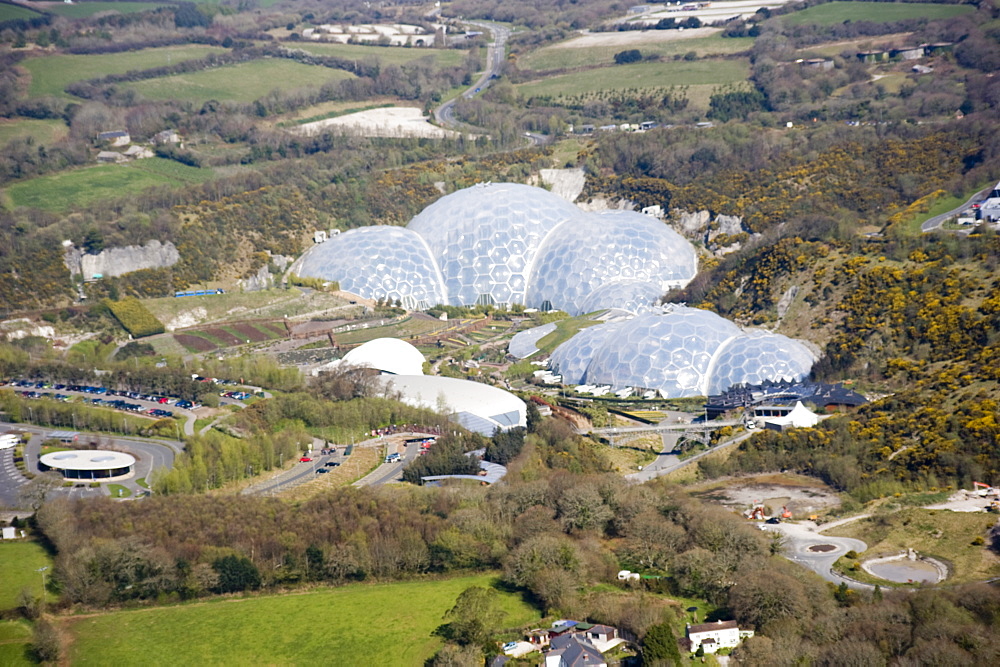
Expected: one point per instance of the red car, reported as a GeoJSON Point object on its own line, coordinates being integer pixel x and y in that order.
{"type": "Point", "coordinates": [305, 459]}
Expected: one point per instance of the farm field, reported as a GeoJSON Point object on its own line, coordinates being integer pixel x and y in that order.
{"type": "Point", "coordinates": [14, 12]}
{"type": "Point", "coordinates": [51, 74]}
{"type": "Point", "coordinates": [369, 622]}
{"type": "Point", "coordinates": [699, 74]}
{"type": "Point", "coordinates": [563, 55]}
{"type": "Point", "coordinates": [229, 335]}
{"type": "Point", "coordinates": [938, 533]}
{"type": "Point", "coordinates": [240, 83]}
{"type": "Point", "coordinates": [388, 55]}
{"type": "Point", "coordinates": [41, 131]}
{"type": "Point", "coordinates": [15, 643]}
{"type": "Point", "coordinates": [21, 560]}
{"type": "Point", "coordinates": [838, 12]}
{"type": "Point", "coordinates": [86, 185]}
{"type": "Point", "coordinates": [831, 49]}
{"type": "Point", "coordinates": [81, 10]}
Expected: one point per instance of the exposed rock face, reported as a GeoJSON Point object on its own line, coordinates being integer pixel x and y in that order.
{"type": "Point", "coordinates": [604, 204]}
{"type": "Point", "coordinates": [786, 300]}
{"type": "Point", "coordinates": [694, 224]}
{"type": "Point", "coordinates": [566, 183]}
{"type": "Point", "coordinates": [726, 224]}
{"type": "Point", "coordinates": [259, 281]}
{"type": "Point", "coordinates": [119, 261]}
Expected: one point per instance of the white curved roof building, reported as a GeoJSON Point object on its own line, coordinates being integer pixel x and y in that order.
{"type": "Point", "coordinates": [88, 463]}
{"type": "Point", "coordinates": [476, 406]}
{"type": "Point", "coordinates": [505, 244]}
{"type": "Point", "coordinates": [389, 355]}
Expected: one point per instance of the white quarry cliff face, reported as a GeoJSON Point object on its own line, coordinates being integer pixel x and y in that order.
{"type": "Point", "coordinates": [189, 318]}
{"type": "Point", "coordinates": [119, 261]}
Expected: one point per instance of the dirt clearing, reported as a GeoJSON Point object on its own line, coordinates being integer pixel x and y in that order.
{"type": "Point", "coordinates": [803, 498]}
{"type": "Point", "coordinates": [386, 122]}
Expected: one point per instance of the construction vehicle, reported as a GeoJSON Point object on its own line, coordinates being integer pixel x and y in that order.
{"type": "Point", "coordinates": [984, 490]}
{"type": "Point", "coordinates": [785, 513]}
{"type": "Point", "coordinates": [756, 513]}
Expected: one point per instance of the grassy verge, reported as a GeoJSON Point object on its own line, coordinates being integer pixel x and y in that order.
{"type": "Point", "coordinates": [635, 454]}
{"type": "Point", "coordinates": [565, 329]}
{"type": "Point", "coordinates": [119, 491]}
{"type": "Point", "coordinates": [942, 205]}
{"type": "Point", "coordinates": [380, 624]}
{"type": "Point", "coordinates": [387, 55]}
{"type": "Point", "coordinates": [21, 560]}
{"type": "Point", "coordinates": [881, 12]}
{"type": "Point", "coordinates": [142, 482]}
{"type": "Point", "coordinates": [941, 534]}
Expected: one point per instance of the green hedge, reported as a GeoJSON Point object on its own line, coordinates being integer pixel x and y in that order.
{"type": "Point", "coordinates": [135, 317]}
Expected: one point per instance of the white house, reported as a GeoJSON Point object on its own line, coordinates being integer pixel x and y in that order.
{"type": "Point", "coordinates": [714, 636]}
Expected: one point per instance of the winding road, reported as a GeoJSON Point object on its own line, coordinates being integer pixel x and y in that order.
{"type": "Point", "coordinates": [495, 54]}
{"type": "Point", "coordinates": [938, 220]}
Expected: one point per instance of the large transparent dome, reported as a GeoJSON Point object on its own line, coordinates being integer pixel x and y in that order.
{"type": "Point", "coordinates": [680, 352]}
{"type": "Point", "coordinates": [583, 256]}
{"type": "Point", "coordinates": [485, 238]}
{"type": "Point", "coordinates": [504, 244]}
{"type": "Point", "coordinates": [573, 357]}
{"type": "Point", "coordinates": [379, 263]}
{"type": "Point", "coordinates": [757, 357]}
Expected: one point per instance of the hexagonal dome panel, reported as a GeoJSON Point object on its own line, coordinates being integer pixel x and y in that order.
{"type": "Point", "coordinates": [582, 256]}
{"type": "Point", "coordinates": [379, 263]}
{"type": "Point", "coordinates": [633, 296]}
{"type": "Point", "coordinates": [572, 358]}
{"type": "Point", "coordinates": [485, 238]}
{"type": "Point", "coordinates": [757, 357]}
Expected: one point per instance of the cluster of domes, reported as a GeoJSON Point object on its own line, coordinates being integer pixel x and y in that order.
{"type": "Point", "coordinates": [679, 351]}
{"type": "Point", "coordinates": [505, 244]}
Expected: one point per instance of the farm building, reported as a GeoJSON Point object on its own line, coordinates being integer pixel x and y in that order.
{"type": "Point", "coordinates": [115, 137]}
{"type": "Point", "coordinates": [714, 636]}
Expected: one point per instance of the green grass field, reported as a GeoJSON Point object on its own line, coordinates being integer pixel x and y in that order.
{"type": "Point", "coordinates": [80, 187]}
{"type": "Point", "coordinates": [380, 624]}
{"type": "Point", "coordinates": [50, 74]}
{"type": "Point", "coordinates": [21, 560]}
{"type": "Point", "coordinates": [942, 205]}
{"type": "Point", "coordinates": [14, 12]}
{"type": "Point", "coordinates": [15, 643]}
{"type": "Point", "coordinates": [240, 83]}
{"type": "Point", "coordinates": [81, 10]}
{"type": "Point", "coordinates": [641, 75]}
{"type": "Point", "coordinates": [41, 131]}
{"type": "Point", "coordinates": [838, 12]}
{"type": "Point", "coordinates": [387, 54]}
{"type": "Point", "coordinates": [558, 57]}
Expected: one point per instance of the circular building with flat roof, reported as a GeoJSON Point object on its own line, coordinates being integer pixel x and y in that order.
{"type": "Point", "coordinates": [88, 463]}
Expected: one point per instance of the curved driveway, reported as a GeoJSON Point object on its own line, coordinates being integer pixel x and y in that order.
{"type": "Point", "coordinates": [803, 545]}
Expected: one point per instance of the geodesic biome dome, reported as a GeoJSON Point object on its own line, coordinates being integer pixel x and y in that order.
{"type": "Point", "coordinates": [592, 255]}
{"type": "Point", "coordinates": [504, 244]}
{"type": "Point", "coordinates": [680, 352]}
{"type": "Point", "coordinates": [573, 357]}
{"type": "Point", "coordinates": [486, 237]}
{"type": "Point", "coordinates": [757, 357]}
{"type": "Point", "coordinates": [379, 263]}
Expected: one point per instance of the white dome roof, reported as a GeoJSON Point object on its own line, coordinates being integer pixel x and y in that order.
{"type": "Point", "coordinates": [390, 355]}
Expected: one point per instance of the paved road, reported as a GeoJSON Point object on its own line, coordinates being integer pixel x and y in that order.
{"type": "Point", "coordinates": [149, 454]}
{"type": "Point", "coordinates": [495, 55]}
{"type": "Point", "coordinates": [800, 541]}
{"type": "Point", "coordinates": [665, 426]}
{"type": "Point", "coordinates": [392, 472]}
{"type": "Point", "coordinates": [938, 220]}
{"type": "Point", "coordinates": [667, 463]}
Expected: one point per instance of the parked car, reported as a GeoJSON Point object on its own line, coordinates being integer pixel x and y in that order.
{"type": "Point", "coordinates": [319, 470]}
{"type": "Point", "coordinates": [332, 464]}
{"type": "Point", "coordinates": [305, 459]}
